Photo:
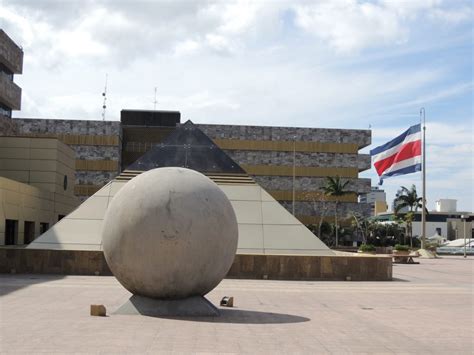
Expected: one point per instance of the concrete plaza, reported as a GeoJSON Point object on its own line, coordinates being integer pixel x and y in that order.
{"type": "Point", "coordinates": [428, 308]}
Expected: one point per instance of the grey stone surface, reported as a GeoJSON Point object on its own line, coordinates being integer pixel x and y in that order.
{"type": "Point", "coordinates": [170, 233]}
{"type": "Point", "coordinates": [196, 306]}
{"type": "Point", "coordinates": [303, 183]}
{"type": "Point", "coordinates": [316, 208]}
{"type": "Point", "coordinates": [69, 126]}
{"type": "Point", "coordinates": [7, 126]}
{"type": "Point", "coordinates": [338, 160]}
{"type": "Point", "coordinates": [93, 152]}
{"type": "Point", "coordinates": [98, 178]}
{"type": "Point", "coordinates": [361, 137]}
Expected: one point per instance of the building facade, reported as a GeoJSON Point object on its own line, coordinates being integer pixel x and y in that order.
{"type": "Point", "coordinates": [450, 225]}
{"type": "Point", "coordinates": [36, 187]}
{"type": "Point", "coordinates": [376, 198]}
{"type": "Point", "coordinates": [280, 159]}
{"type": "Point", "coordinates": [97, 146]}
{"type": "Point", "coordinates": [11, 63]}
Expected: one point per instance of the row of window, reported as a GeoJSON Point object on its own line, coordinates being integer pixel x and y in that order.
{"type": "Point", "coordinates": [5, 111]}
{"type": "Point", "coordinates": [5, 71]}
{"type": "Point", "coordinates": [11, 231]}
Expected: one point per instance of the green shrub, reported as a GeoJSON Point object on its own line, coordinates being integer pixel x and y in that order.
{"type": "Point", "coordinates": [367, 247]}
{"type": "Point", "coordinates": [402, 247]}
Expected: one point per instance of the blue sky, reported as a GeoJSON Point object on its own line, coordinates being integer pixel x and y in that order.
{"type": "Point", "coordinates": [334, 63]}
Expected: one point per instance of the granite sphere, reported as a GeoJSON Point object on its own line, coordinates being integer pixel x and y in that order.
{"type": "Point", "coordinates": [170, 233]}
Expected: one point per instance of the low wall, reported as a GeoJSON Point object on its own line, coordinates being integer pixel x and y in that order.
{"type": "Point", "coordinates": [297, 267]}
{"type": "Point", "coordinates": [63, 262]}
{"type": "Point", "coordinates": [273, 267]}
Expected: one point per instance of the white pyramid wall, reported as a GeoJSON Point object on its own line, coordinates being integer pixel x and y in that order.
{"type": "Point", "coordinates": [265, 227]}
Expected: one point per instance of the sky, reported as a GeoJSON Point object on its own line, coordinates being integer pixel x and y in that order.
{"type": "Point", "coordinates": [332, 64]}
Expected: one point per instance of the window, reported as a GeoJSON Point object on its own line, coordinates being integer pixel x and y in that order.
{"type": "Point", "coordinates": [29, 232]}
{"type": "Point", "coordinates": [7, 72]}
{"type": "Point", "coordinates": [43, 227]}
{"type": "Point", "coordinates": [438, 231]}
{"type": "Point", "coordinates": [5, 111]}
{"type": "Point", "coordinates": [11, 232]}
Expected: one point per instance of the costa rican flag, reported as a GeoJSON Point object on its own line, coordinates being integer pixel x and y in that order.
{"type": "Point", "coordinates": [400, 156]}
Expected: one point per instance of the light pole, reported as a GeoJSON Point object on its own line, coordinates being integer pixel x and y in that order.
{"type": "Point", "coordinates": [463, 218]}
{"type": "Point", "coordinates": [423, 212]}
{"type": "Point", "coordinates": [294, 173]}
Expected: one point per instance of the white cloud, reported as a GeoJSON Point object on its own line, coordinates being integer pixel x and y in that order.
{"type": "Point", "coordinates": [186, 47]}
{"type": "Point", "coordinates": [257, 62]}
{"type": "Point", "coordinates": [348, 25]}
{"type": "Point", "coordinates": [351, 25]}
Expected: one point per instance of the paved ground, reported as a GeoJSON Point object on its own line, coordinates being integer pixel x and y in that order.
{"type": "Point", "coordinates": [427, 309]}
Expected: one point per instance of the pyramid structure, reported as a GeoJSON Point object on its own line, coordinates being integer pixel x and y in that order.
{"type": "Point", "coordinates": [265, 227]}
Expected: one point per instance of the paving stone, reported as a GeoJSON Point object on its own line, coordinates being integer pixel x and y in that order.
{"type": "Point", "coordinates": [426, 310]}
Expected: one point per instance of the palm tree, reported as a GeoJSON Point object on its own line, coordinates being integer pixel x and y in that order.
{"type": "Point", "coordinates": [408, 198]}
{"type": "Point", "coordinates": [336, 187]}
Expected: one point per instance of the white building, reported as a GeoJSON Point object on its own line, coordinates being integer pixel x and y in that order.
{"type": "Point", "coordinates": [446, 205]}
{"type": "Point", "coordinates": [376, 198]}
{"type": "Point", "coordinates": [450, 225]}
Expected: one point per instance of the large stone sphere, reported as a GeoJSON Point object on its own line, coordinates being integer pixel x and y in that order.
{"type": "Point", "coordinates": [170, 233]}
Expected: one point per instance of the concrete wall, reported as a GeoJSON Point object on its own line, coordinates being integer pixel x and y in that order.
{"type": "Point", "coordinates": [21, 202]}
{"type": "Point", "coordinates": [11, 55]}
{"type": "Point", "coordinates": [36, 183]}
{"type": "Point", "coordinates": [41, 162]}
{"type": "Point", "coordinates": [329, 268]}
{"type": "Point", "coordinates": [96, 144]}
{"type": "Point", "coordinates": [272, 267]}
{"type": "Point", "coordinates": [10, 93]}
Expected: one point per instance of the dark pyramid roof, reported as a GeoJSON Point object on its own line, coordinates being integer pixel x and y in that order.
{"type": "Point", "coordinates": [187, 146]}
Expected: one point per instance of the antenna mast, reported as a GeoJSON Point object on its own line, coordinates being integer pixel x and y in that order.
{"type": "Point", "coordinates": [155, 102]}
{"type": "Point", "coordinates": [104, 94]}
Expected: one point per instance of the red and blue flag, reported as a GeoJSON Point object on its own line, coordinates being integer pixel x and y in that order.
{"type": "Point", "coordinates": [400, 156]}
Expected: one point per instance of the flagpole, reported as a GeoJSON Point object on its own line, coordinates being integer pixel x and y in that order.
{"type": "Point", "coordinates": [423, 168]}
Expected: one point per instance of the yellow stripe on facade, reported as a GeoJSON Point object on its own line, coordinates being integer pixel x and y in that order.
{"type": "Point", "coordinates": [287, 195]}
{"type": "Point", "coordinates": [97, 165]}
{"type": "Point", "coordinates": [287, 146]}
{"type": "Point", "coordinates": [79, 139]}
{"type": "Point", "coordinates": [86, 190]}
{"type": "Point", "coordinates": [280, 170]}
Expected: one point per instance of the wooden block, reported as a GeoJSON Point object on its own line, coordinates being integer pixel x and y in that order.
{"type": "Point", "coordinates": [98, 310]}
{"type": "Point", "coordinates": [227, 302]}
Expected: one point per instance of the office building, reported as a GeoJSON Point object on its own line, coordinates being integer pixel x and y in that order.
{"type": "Point", "coordinates": [277, 158]}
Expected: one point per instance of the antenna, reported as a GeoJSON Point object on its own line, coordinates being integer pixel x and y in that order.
{"type": "Point", "coordinates": [155, 102]}
{"type": "Point", "coordinates": [104, 94]}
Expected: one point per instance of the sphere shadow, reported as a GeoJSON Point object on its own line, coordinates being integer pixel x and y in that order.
{"type": "Point", "coordinates": [237, 316]}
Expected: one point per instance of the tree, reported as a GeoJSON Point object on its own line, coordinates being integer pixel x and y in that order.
{"type": "Point", "coordinates": [335, 187]}
{"type": "Point", "coordinates": [408, 198]}
{"type": "Point", "coordinates": [362, 224]}
{"type": "Point", "coordinates": [320, 209]}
